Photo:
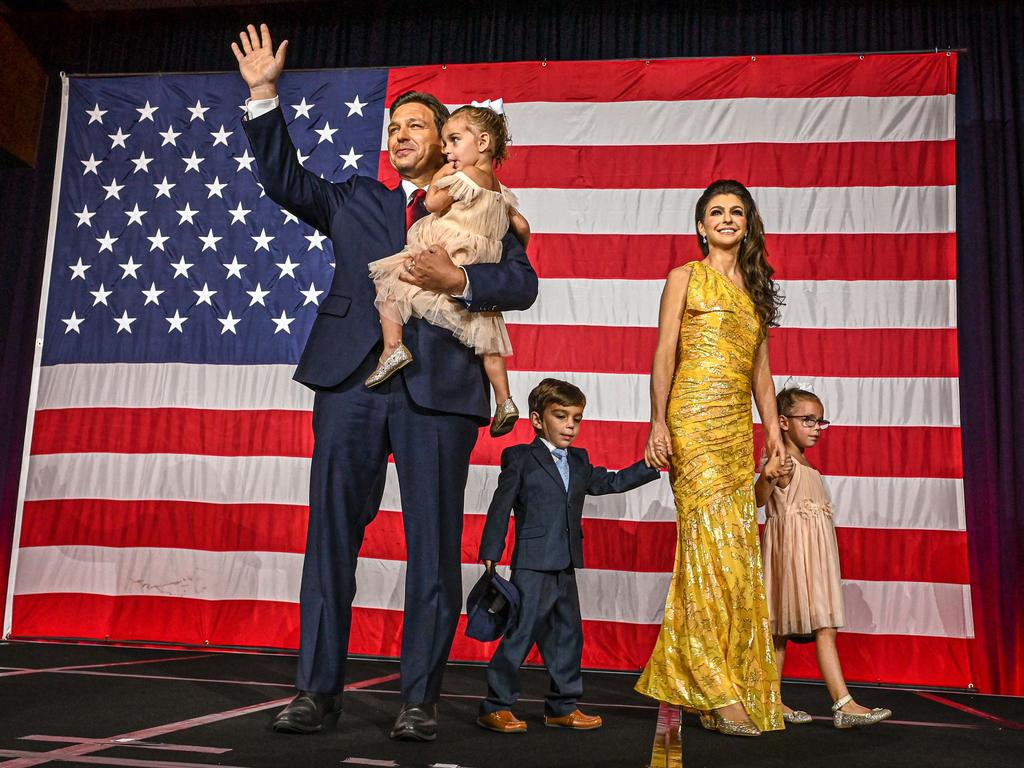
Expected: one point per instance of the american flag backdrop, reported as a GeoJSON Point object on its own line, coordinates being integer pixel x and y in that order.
{"type": "Point", "coordinates": [165, 494]}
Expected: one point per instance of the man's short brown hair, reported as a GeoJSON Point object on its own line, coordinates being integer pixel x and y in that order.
{"type": "Point", "coordinates": [555, 392]}
{"type": "Point", "coordinates": [439, 110]}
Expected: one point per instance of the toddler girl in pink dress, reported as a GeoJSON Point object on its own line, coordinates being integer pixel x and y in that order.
{"type": "Point", "coordinates": [470, 213]}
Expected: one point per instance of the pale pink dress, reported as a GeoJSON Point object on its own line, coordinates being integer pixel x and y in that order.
{"type": "Point", "coordinates": [801, 557]}
{"type": "Point", "coordinates": [471, 231]}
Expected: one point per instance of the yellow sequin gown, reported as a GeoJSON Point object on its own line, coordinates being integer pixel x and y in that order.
{"type": "Point", "coordinates": [715, 645]}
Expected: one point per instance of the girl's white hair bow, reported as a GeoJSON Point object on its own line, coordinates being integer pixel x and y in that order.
{"type": "Point", "coordinates": [790, 382]}
{"type": "Point", "coordinates": [495, 105]}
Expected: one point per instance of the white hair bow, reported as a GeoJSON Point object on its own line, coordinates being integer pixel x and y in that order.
{"type": "Point", "coordinates": [495, 105]}
{"type": "Point", "coordinates": [790, 382]}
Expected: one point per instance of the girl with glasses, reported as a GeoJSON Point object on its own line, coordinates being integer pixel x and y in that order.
{"type": "Point", "coordinates": [801, 557]}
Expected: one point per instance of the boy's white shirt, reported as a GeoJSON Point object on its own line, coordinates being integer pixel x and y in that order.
{"type": "Point", "coordinates": [550, 446]}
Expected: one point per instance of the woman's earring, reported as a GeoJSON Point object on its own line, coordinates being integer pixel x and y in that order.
{"type": "Point", "coordinates": [704, 239]}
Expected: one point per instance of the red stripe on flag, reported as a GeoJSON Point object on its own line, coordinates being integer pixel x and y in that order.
{"type": "Point", "coordinates": [690, 166]}
{"type": "Point", "coordinates": [174, 430]}
{"type": "Point", "coordinates": [853, 352]}
{"type": "Point", "coordinates": [894, 554]}
{"type": "Point", "coordinates": [740, 77]}
{"type": "Point", "coordinates": [619, 545]}
{"type": "Point", "coordinates": [377, 632]}
{"type": "Point", "coordinates": [925, 256]}
{"type": "Point", "coordinates": [163, 523]}
{"type": "Point", "coordinates": [891, 659]}
{"type": "Point", "coordinates": [848, 451]}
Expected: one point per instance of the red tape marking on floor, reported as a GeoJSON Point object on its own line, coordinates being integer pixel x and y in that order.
{"type": "Point", "coordinates": [128, 743]}
{"type": "Point", "coordinates": [1002, 721]}
{"type": "Point", "coordinates": [78, 752]}
{"type": "Point", "coordinates": [162, 660]}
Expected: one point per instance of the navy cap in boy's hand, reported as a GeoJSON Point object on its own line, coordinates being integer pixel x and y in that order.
{"type": "Point", "coordinates": [492, 608]}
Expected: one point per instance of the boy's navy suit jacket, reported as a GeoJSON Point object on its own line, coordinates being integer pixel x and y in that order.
{"type": "Point", "coordinates": [549, 534]}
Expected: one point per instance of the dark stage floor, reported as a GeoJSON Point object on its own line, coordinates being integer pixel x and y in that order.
{"type": "Point", "coordinates": [73, 705]}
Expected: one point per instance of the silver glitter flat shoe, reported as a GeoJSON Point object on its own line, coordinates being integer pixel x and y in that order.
{"type": "Point", "coordinates": [847, 720]}
{"type": "Point", "coordinates": [505, 417]}
{"type": "Point", "coordinates": [797, 717]}
{"type": "Point", "coordinates": [391, 365]}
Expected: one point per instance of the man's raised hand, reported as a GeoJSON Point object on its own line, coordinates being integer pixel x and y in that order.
{"type": "Point", "coordinates": [259, 65]}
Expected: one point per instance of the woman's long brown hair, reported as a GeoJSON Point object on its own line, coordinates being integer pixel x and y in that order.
{"type": "Point", "coordinates": [753, 258]}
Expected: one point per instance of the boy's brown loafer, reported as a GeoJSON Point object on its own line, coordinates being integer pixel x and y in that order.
{"type": "Point", "coordinates": [502, 721]}
{"type": "Point", "coordinates": [576, 720]}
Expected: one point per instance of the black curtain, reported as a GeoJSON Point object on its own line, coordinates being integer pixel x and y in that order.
{"type": "Point", "coordinates": [344, 34]}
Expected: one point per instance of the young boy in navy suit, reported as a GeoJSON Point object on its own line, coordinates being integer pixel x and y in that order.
{"type": "Point", "coordinates": [545, 483]}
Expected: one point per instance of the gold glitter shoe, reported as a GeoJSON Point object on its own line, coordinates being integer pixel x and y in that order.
{"type": "Point", "coordinates": [849, 720]}
{"type": "Point", "coordinates": [391, 365]}
{"type": "Point", "coordinates": [505, 417]}
{"type": "Point", "coordinates": [732, 727]}
{"type": "Point", "coordinates": [797, 717]}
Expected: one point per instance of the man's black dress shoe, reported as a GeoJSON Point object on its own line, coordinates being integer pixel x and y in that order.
{"type": "Point", "coordinates": [308, 713]}
{"type": "Point", "coordinates": [416, 722]}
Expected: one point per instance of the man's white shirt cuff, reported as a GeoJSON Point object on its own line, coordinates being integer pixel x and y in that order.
{"type": "Point", "coordinates": [256, 107]}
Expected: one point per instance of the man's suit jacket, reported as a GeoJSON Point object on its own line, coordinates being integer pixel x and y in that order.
{"type": "Point", "coordinates": [549, 532]}
{"type": "Point", "coordinates": [366, 221]}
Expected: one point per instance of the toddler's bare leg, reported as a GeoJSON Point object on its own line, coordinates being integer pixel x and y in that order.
{"type": "Point", "coordinates": [497, 374]}
{"type": "Point", "coordinates": [392, 331]}
{"type": "Point", "coordinates": [505, 412]}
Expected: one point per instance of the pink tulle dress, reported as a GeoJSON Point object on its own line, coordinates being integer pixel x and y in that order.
{"type": "Point", "coordinates": [801, 557]}
{"type": "Point", "coordinates": [471, 231]}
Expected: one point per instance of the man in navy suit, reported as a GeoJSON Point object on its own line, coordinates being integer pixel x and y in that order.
{"type": "Point", "coordinates": [545, 483]}
{"type": "Point", "coordinates": [428, 416]}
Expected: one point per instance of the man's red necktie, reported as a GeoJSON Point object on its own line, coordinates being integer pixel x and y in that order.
{"type": "Point", "coordinates": [416, 209]}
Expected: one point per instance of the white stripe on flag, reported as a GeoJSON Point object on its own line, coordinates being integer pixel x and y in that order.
{"type": "Point", "coordinates": [172, 385]}
{"type": "Point", "coordinates": [722, 121]}
{"type": "Point", "coordinates": [901, 402]}
{"type": "Point", "coordinates": [170, 477]}
{"type": "Point", "coordinates": [798, 210]}
{"type": "Point", "coordinates": [861, 502]}
{"type": "Point", "coordinates": [873, 607]}
{"type": "Point", "coordinates": [809, 303]}
{"type": "Point", "coordinates": [621, 397]}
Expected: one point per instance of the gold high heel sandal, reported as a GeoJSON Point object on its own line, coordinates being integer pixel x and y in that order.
{"type": "Point", "coordinates": [713, 721]}
{"type": "Point", "coordinates": [389, 366]}
{"type": "Point", "coordinates": [850, 720]}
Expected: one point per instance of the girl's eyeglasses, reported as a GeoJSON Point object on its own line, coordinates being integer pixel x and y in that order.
{"type": "Point", "coordinates": [809, 421]}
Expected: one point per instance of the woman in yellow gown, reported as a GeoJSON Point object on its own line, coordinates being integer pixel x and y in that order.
{"type": "Point", "coordinates": [714, 653]}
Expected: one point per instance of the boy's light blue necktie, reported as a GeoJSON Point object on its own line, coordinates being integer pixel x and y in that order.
{"type": "Point", "coordinates": [563, 465]}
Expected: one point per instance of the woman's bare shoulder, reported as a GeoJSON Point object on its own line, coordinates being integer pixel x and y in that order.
{"type": "Point", "coordinates": [680, 275]}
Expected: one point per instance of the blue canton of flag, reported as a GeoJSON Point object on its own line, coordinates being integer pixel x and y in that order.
{"type": "Point", "coordinates": [166, 248]}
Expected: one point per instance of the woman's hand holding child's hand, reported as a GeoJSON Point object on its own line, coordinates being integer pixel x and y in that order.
{"type": "Point", "coordinates": [659, 446]}
{"type": "Point", "coordinates": [778, 469]}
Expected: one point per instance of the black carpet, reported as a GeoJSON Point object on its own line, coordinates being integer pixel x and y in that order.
{"type": "Point", "coordinates": [93, 692]}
